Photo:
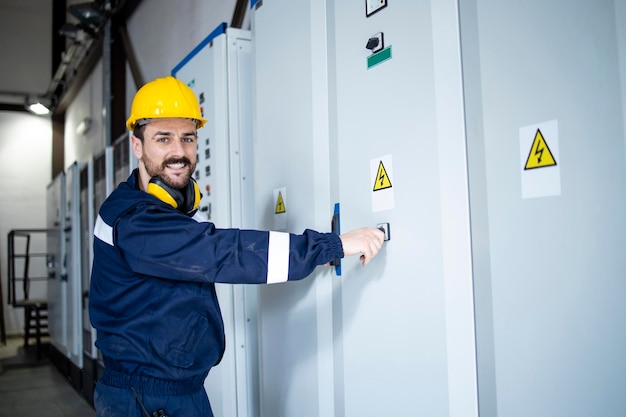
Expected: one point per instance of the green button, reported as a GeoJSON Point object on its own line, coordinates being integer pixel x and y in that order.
{"type": "Point", "coordinates": [379, 57]}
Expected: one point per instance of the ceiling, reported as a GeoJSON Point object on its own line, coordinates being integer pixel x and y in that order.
{"type": "Point", "coordinates": [41, 58]}
{"type": "Point", "coordinates": [26, 49]}
{"type": "Point", "coordinates": [41, 63]}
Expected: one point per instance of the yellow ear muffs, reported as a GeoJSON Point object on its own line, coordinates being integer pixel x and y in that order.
{"type": "Point", "coordinates": [186, 200]}
{"type": "Point", "coordinates": [197, 195]}
{"type": "Point", "coordinates": [157, 188]}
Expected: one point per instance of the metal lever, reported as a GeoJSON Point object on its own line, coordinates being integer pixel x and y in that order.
{"type": "Point", "coordinates": [372, 43]}
{"type": "Point", "coordinates": [384, 227]}
{"type": "Point", "coordinates": [335, 227]}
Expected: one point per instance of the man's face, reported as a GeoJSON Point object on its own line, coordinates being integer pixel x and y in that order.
{"type": "Point", "coordinates": [169, 150]}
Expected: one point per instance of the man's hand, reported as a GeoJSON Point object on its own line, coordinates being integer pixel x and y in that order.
{"type": "Point", "coordinates": [366, 241]}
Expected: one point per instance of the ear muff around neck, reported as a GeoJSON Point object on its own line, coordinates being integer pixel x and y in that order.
{"type": "Point", "coordinates": [186, 200]}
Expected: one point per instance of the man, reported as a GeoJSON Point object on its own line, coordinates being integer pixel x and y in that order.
{"type": "Point", "coordinates": [152, 297]}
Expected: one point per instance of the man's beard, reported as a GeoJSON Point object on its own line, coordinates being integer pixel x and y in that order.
{"type": "Point", "coordinates": [177, 182]}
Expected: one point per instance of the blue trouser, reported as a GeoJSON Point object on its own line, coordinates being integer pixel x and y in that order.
{"type": "Point", "coordinates": [115, 397]}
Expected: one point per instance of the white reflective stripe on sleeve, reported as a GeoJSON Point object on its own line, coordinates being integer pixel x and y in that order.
{"type": "Point", "coordinates": [278, 258]}
{"type": "Point", "coordinates": [103, 231]}
{"type": "Point", "coordinates": [200, 217]}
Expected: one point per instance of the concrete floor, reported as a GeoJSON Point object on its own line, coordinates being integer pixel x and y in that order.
{"type": "Point", "coordinates": [33, 387]}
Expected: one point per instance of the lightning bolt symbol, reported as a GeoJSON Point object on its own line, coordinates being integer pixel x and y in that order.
{"type": "Point", "coordinates": [539, 151]}
{"type": "Point", "coordinates": [381, 178]}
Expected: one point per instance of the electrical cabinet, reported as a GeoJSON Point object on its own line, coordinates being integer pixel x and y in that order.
{"type": "Point", "coordinates": [103, 177]}
{"type": "Point", "coordinates": [407, 333]}
{"type": "Point", "coordinates": [87, 221]}
{"type": "Point", "coordinates": [218, 70]}
{"type": "Point", "coordinates": [56, 263]}
{"type": "Point", "coordinates": [478, 140]}
{"type": "Point", "coordinates": [292, 193]}
{"type": "Point", "coordinates": [72, 236]}
{"type": "Point", "coordinates": [545, 120]}
{"type": "Point", "coordinates": [323, 120]}
{"type": "Point", "coordinates": [124, 161]}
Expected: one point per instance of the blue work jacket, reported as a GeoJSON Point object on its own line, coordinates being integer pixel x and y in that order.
{"type": "Point", "coordinates": [152, 298]}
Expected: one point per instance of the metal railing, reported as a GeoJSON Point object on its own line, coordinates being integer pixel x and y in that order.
{"type": "Point", "coordinates": [20, 254]}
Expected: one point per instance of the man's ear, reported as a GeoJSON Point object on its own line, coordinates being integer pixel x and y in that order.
{"type": "Point", "coordinates": [137, 147]}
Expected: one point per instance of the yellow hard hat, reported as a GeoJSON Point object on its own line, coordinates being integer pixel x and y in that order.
{"type": "Point", "coordinates": [162, 98]}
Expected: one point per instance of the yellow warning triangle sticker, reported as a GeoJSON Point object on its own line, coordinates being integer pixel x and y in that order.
{"type": "Point", "coordinates": [280, 204]}
{"type": "Point", "coordinates": [382, 179]}
{"type": "Point", "coordinates": [540, 155]}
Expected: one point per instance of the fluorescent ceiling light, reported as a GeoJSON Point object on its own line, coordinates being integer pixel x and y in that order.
{"type": "Point", "coordinates": [38, 109]}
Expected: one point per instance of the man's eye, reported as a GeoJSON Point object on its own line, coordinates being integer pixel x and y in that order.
{"type": "Point", "coordinates": [188, 140]}
{"type": "Point", "coordinates": [162, 140]}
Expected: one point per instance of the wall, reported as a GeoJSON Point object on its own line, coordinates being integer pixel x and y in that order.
{"type": "Point", "coordinates": [159, 44]}
{"type": "Point", "coordinates": [25, 28]}
{"type": "Point", "coordinates": [87, 105]}
{"type": "Point", "coordinates": [25, 165]}
{"type": "Point", "coordinates": [26, 66]}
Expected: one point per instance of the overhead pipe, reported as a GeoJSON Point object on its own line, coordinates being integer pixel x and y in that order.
{"type": "Point", "coordinates": [90, 58]}
{"type": "Point", "coordinates": [106, 70]}
{"type": "Point", "coordinates": [131, 57]}
{"type": "Point", "coordinates": [239, 13]}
